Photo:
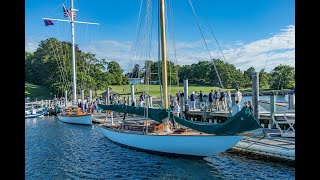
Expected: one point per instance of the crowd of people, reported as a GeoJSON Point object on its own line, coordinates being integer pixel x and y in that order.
{"type": "Point", "coordinates": [217, 100]}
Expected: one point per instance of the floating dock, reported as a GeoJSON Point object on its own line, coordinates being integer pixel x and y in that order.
{"type": "Point", "coordinates": [278, 147]}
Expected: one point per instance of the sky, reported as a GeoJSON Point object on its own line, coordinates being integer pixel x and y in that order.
{"type": "Point", "coordinates": [246, 33]}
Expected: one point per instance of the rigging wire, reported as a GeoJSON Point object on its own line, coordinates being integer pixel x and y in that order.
{"type": "Point", "coordinates": [206, 44]}
{"type": "Point", "coordinates": [173, 39]}
{"type": "Point", "coordinates": [286, 57]}
{"type": "Point", "coordinates": [56, 54]}
{"type": "Point", "coordinates": [212, 31]}
{"type": "Point", "coordinates": [270, 43]}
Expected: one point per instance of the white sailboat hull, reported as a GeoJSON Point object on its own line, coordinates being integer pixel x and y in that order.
{"type": "Point", "coordinates": [83, 119]}
{"type": "Point", "coordinates": [190, 145]}
{"type": "Point", "coordinates": [36, 114]}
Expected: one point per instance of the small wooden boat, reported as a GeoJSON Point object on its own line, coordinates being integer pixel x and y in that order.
{"type": "Point", "coordinates": [74, 115]}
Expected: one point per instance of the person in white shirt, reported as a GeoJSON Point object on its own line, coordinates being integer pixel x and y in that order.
{"type": "Point", "coordinates": [176, 109]}
{"type": "Point", "coordinates": [236, 108]}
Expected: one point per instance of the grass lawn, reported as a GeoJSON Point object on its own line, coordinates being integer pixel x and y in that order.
{"type": "Point", "coordinates": [35, 91]}
{"type": "Point", "coordinates": [154, 90]}
{"type": "Point", "coordinates": [40, 92]}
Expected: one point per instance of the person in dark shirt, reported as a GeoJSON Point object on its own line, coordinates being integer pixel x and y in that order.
{"type": "Point", "coordinates": [222, 100]}
{"type": "Point", "coordinates": [210, 101]}
{"type": "Point", "coordinates": [193, 101]}
{"type": "Point", "coordinates": [186, 110]}
{"type": "Point", "coordinates": [250, 106]}
{"type": "Point", "coordinates": [182, 94]}
{"type": "Point", "coordinates": [201, 96]}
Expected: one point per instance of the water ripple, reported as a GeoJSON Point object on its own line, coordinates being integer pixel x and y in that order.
{"type": "Point", "coordinates": [57, 150]}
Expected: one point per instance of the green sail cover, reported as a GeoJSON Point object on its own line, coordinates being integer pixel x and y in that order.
{"type": "Point", "coordinates": [240, 122]}
{"type": "Point", "coordinates": [153, 113]}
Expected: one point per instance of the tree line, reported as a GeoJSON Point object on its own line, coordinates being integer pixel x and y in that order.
{"type": "Point", "coordinates": [203, 73]}
{"type": "Point", "coordinates": [51, 66]}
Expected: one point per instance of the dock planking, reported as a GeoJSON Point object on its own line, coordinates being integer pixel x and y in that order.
{"type": "Point", "coordinates": [278, 147]}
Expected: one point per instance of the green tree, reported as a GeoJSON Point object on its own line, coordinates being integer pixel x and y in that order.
{"type": "Point", "coordinates": [115, 70]}
{"type": "Point", "coordinates": [263, 79]}
{"type": "Point", "coordinates": [282, 77]}
{"type": "Point", "coordinates": [248, 76]}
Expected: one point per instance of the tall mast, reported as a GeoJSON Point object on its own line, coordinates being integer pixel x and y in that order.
{"type": "Point", "coordinates": [164, 56]}
{"type": "Point", "coordinates": [74, 87]}
{"type": "Point", "coordinates": [72, 21]}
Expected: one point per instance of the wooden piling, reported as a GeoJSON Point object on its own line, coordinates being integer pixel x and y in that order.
{"type": "Point", "coordinates": [272, 109]}
{"type": "Point", "coordinates": [65, 98]}
{"type": "Point", "coordinates": [132, 92]}
{"type": "Point", "coordinates": [291, 101]}
{"type": "Point", "coordinates": [255, 94]}
{"type": "Point", "coordinates": [90, 95]}
{"type": "Point", "coordinates": [107, 96]}
{"type": "Point", "coordinates": [185, 89]}
{"type": "Point", "coordinates": [82, 96]}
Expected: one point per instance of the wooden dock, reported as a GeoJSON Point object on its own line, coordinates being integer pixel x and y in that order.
{"type": "Point", "coordinates": [221, 116]}
{"type": "Point", "coordinates": [278, 147]}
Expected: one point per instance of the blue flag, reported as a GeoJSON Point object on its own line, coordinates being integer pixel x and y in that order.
{"type": "Point", "coordinates": [48, 22]}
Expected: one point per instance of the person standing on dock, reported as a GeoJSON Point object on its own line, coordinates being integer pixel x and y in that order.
{"type": "Point", "coordinates": [210, 101]}
{"type": "Point", "coordinates": [250, 106]}
{"type": "Point", "coordinates": [178, 97]}
{"type": "Point", "coordinates": [238, 95]}
{"type": "Point", "coordinates": [245, 105]}
{"type": "Point", "coordinates": [186, 110]}
{"type": "Point", "coordinates": [217, 100]}
{"type": "Point", "coordinates": [200, 97]}
{"type": "Point", "coordinates": [176, 109]}
{"type": "Point", "coordinates": [192, 100]}
{"type": "Point", "coordinates": [222, 100]}
{"type": "Point", "coordinates": [236, 108]}
{"type": "Point", "coordinates": [229, 101]}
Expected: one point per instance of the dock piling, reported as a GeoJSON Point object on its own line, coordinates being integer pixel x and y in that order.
{"type": "Point", "coordinates": [255, 95]}
{"type": "Point", "coordinates": [132, 92]}
{"type": "Point", "coordinates": [90, 95]}
{"type": "Point", "coordinates": [82, 96]}
{"type": "Point", "coordinates": [185, 89]}
{"type": "Point", "coordinates": [107, 96]}
{"type": "Point", "coordinates": [272, 109]}
{"type": "Point", "coordinates": [291, 101]}
{"type": "Point", "coordinates": [65, 98]}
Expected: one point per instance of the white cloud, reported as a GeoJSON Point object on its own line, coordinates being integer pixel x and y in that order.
{"type": "Point", "coordinates": [243, 55]}
{"type": "Point", "coordinates": [31, 44]}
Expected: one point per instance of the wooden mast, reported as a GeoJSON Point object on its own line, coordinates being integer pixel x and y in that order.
{"type": "Point", "coordinates": [164, 56]}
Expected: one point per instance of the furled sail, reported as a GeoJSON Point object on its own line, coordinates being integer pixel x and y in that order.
{"type": "Point", "coordinates": [241, 122]}
{"type": "Point", "coordinates": [153, 113]}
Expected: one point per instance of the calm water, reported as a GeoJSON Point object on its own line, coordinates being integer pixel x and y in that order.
{"type": "Point", "coordinates": [57, 150]}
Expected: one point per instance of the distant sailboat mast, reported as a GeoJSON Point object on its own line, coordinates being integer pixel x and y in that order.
{"type": "Point", "coordinates": [72, 21]}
